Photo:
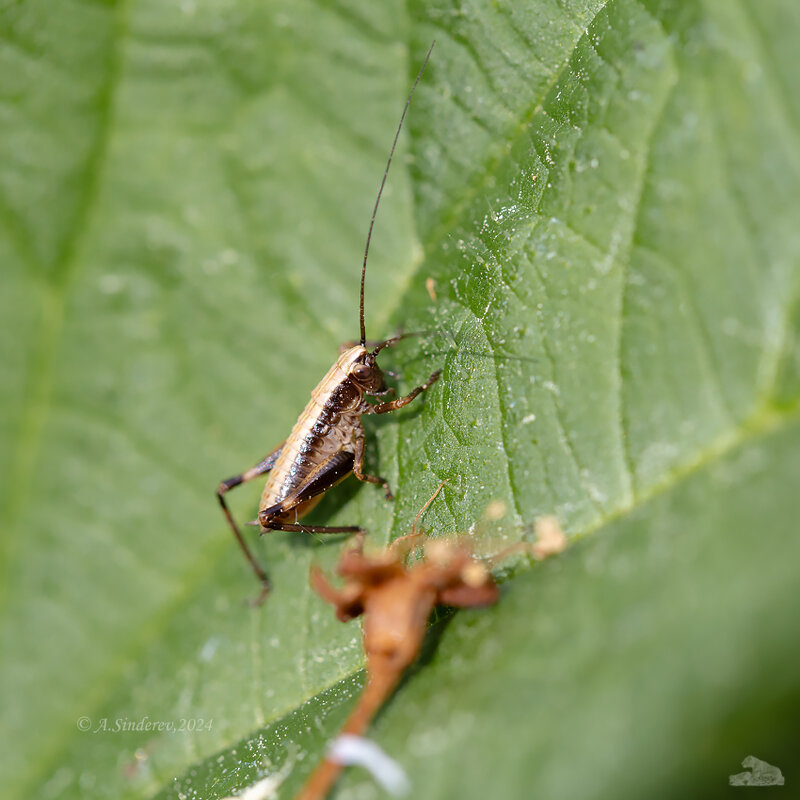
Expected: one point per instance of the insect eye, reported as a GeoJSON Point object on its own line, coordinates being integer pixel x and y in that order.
{"type": "Point", "coordinates": [361, 371]}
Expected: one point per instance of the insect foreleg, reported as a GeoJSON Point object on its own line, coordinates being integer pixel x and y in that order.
{"type": "Point", "coordinates": [387, 390]}
{"type": "Point", "coordinates": [393, 405]}
{"type": "Point", "coordinates": [263, 466]}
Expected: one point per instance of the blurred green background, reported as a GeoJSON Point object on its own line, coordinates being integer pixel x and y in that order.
{"type": "Point", "coordinates": [603, 197]}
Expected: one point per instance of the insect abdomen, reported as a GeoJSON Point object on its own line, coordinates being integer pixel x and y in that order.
{"type": "Point", "coordinates": [325, 427]}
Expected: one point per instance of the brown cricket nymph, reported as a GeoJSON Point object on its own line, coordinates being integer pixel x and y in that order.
{"type": "Point", "coordinates": [327, 441]}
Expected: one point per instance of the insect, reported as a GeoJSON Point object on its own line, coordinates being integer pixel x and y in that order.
{"type": "Point", "coordinates": [395, 601]}
{"type": "Point", "coordinates": [327, 441]}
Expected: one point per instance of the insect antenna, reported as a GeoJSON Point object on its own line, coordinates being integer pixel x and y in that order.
{"type": "Point", "coordinates": [399, 338]}
{"type": "Point", "coordinates": [380, 191]}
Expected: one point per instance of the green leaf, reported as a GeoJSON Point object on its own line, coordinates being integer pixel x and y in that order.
{"type": "Point", "coordinates": [604, 197]}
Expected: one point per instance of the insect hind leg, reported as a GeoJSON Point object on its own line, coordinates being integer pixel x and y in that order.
{"type": "Point", "coordinates": [330, 472]}
{"type": "Point", "coordinates": [263, 466]}
{"type": "Point", "coordinates": [262, 576]}
{"type": "Point", "coordinates": [274, 519]}
{"type": "Point", "coordinates": [296, 527]}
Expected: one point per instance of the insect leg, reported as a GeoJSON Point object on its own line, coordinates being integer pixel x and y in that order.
{"type": "Point", "coordinates": [326, 475]}
{"type": "Point", "coordinates": [263, 466]}
{"type": "Point", "coordinates": [358, 465]}
{"type": "Point", "coordinates": [296, 527]}
{"type": "Point", "coordinates": [393, 405]}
